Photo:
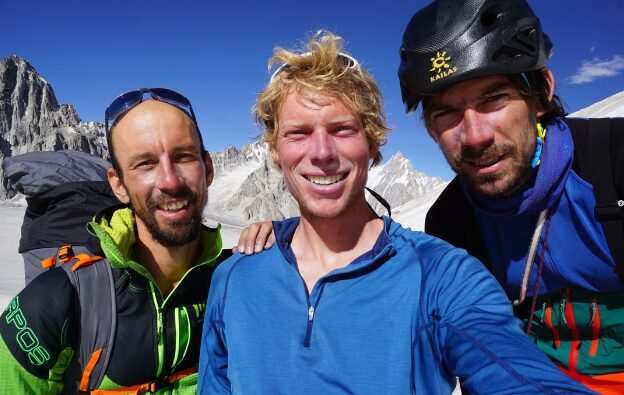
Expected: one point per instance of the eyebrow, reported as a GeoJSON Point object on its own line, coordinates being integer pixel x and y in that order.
{"type": "Point", "coordinates": [487, 90]}
{"type": "Point", "coordinates": [333, 122]}
{"type": "Point", "coordinates": [148, 155]}
{"type": "Point", "coordinates": [495, 87]}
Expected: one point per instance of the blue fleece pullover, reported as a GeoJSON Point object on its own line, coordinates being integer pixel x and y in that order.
{"type": "Point", "coordinates": [577, 255]}
{"type": "Point", "coordinates": [406, 317]}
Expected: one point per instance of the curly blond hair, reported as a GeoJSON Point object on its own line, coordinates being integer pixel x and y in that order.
{"type": "Point", "coordinates": [323, 68]}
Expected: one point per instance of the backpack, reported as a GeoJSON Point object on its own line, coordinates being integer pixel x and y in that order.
{"type": "Point", "coordinates": [64, 190]}
{"type": "Point", "coordinates": [598, 159]}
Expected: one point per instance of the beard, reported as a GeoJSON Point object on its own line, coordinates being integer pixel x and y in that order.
{"type": "Point", "coordinates": [175, 233]}
{"type": "Point", "coordinates": [502, 183]}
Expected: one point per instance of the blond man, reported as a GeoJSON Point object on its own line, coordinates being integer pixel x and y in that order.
{"type": "Point", "coordinates": [346, 301]}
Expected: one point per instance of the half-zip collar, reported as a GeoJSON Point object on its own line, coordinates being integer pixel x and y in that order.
{"type": "Point", "coordinates": [382, 249]}
{"type": "Point", "coordinates": [285, 230]}
{"type": "Point", "coordinates": [115, 227]}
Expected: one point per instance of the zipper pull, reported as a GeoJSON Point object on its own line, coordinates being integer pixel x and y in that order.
{"type": "Point", "coordinates": [311, 313]}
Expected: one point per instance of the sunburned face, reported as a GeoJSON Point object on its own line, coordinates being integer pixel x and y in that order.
{"type": "Point", "coordinates": [484, 128]}
{"type": "Point", "coordinates": [324, 154]}
{"type": "Point", "coordinates": [165, 177]}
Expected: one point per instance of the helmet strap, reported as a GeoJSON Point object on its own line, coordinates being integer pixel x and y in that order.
{"type": "Point", "coordinates": [541, 136]}
{"type": "Point", "coordinates": [526, 79]}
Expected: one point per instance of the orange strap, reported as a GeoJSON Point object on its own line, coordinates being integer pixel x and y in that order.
{"type": "Point", "coordinates": [48, 262]}
{"type": "Point", "coordinates": [549, 324]}
{"type": "Point", "coordinates": [605, 384]}
{"type": "Point", "coordinates": [65, 254]}
{"type": "Point", "coordinates": [95, 357]}
{"type": "Point", "coordinates": [576, 340]}
{"type": "Point", "coordinates": [595, 325]}
{"type": "Point", "coordinates": [147, 387]}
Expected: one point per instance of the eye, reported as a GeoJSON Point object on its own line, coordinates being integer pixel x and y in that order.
{"type": "Point", "coordinates": [145, 164]}
{"type": "Point", "coordinates": [343, 130]}
{"type": "Point", "coordinates": [186, 157]}
{"type": "Point", "coordinates": [496, 97]}
{"type": "Point", "coordinates": [295, 134]}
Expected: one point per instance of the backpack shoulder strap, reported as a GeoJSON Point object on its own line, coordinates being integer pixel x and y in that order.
{"type": "Point", "coordinates": [594, 162]}
{"type": "Point", "coordinates": [93, 279]}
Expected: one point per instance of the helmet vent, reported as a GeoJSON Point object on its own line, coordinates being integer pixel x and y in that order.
{"type": "Point", "coordinates": [491, 15]}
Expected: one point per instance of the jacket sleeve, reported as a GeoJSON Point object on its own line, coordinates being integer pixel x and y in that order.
{"type": "Point", "coordinates": [213, 357]}
{"type": "Point", "coordinates": [37, 331]}
{"type": "Point", "coordinates": [473, 333]}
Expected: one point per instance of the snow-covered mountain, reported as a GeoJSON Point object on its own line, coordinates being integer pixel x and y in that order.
{"type": "Point", "coordinates": [612, 106]}
{"type": "Point", "coordinates": [249, 188]}
{"type": "Point", "coordinates": [246, 187]}
{"type": "Point", "coordinates": [399, 183]}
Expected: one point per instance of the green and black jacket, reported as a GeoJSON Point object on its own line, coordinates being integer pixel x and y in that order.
{"type": "Point", "coordinates": [156, 337]}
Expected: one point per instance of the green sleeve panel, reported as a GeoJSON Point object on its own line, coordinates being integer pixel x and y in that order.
{"type": "Point", "coordinates": [14, 379]}
{"type": "Point", "coordinates": [37, 333]}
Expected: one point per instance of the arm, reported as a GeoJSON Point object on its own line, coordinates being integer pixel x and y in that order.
{"type": "Point", "coordinates": [213, 356]}
{"type": "Point", "coordinates": [36, 335]}
{"type": "Point", "coordinates": [476, 336]}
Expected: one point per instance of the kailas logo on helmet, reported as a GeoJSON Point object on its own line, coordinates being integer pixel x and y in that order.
{"type": "Point", "coordinates": [441, 67]}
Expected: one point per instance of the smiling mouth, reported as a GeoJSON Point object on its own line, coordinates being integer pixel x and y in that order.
{"type": "Point", "coordinates": [483, 163]}
{"type": "Point", "coordinates": [174, 206]}
{"type": "Point", "coordinates": [326, 180]}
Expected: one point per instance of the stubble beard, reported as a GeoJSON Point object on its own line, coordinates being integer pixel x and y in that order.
{"type": "Point", "coordinates": [176, 233]}
{"type": "Point", "coordinates": [502, 183]}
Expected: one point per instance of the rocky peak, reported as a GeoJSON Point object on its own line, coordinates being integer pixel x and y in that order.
{"type": "Point", "coordinates": [31, 119]}
{"type": "Point", "coordinates": [398, 182]}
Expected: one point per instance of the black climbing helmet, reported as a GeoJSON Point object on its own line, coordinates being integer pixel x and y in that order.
{"type": "Point", "coordinates": [450, 41]}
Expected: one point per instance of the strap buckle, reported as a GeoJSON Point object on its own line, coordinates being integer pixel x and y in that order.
{"type": "Point", "coordinates": [159, 383]}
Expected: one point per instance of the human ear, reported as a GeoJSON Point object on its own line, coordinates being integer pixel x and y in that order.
{"type": "Point", "coordinates": [275, 156]}
{"type": "Point", "coordinates": [550, 79]}
{"type": "Point", "coordinates": [209, 168]}
{"type": "Point", "coordinates": [117, 185]}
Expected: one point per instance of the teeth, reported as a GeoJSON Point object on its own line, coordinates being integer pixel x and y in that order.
{"type": "Point", "coordinates": [324, 180]}
{"type": "Point", "coordinates": [174, 206]}
{"type": "Point", "coordinates": [484, 163]}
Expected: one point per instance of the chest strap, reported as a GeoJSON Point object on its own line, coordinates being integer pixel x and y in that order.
{"type": "Point", "coordinates": [147, 387]}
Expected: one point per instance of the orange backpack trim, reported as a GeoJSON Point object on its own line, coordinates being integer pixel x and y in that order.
{"type": "Point", "coordinates": [95, 357]}
{"type": "Point", "coordinates": [66, 254]}
{"type": "Point", "coordinates": [84, 260]}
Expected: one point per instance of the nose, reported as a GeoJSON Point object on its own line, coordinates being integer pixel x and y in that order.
{"type": "Point", "coordinates": [322, 146]}
{"type": "Point", "coordinates": [475, 132]}
{"type": "Point", "coordinates": [168, 177]}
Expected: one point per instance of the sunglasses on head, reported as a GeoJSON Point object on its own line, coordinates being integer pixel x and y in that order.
{"type": "Point", "coordinates": [348, 61]}
{"type": "Point", "coordinates": [126, 101]}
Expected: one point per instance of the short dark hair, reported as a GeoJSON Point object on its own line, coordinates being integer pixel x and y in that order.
{"type": "Point", "coordinates": [536, 94]}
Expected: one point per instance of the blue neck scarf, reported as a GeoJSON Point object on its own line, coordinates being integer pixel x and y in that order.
{"type": "Point", "coordinates": [544, 190]}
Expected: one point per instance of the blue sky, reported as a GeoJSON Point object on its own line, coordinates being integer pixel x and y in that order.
{"type": "Point", "coordinates": [215, 53]}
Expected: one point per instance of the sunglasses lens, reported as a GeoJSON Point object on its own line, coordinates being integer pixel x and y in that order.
{"type": "Point", "coordinates": [130, 99]}
{"type": "Point", "coordinates": [168, 95]}
{"type": "Point", "coordinates": [121, 105]}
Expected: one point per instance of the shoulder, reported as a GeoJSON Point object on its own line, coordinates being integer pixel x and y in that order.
{"type": "Point", "coordinates": [450, 277]}
{"type": "Point", "coordinates": [246, 267]}
{"type": "Point", "coordinates": [44, 312]}
{"type": "Point", "coordinates": [429, 250]}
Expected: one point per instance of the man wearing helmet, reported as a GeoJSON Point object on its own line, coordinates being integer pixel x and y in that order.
{"type": "Point", "coordinates": [522, 197]}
